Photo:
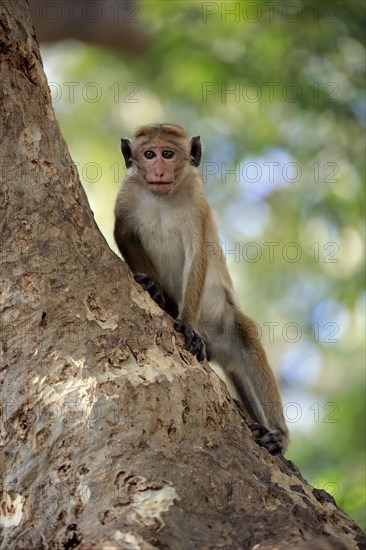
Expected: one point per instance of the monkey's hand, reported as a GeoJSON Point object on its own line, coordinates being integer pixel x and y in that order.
{"type": "Point", "coordinates": [194, 343]}
{"type": "Point", "coordinates": [272, 440]}
{"type": "Point", "coordinates": [152, 288]}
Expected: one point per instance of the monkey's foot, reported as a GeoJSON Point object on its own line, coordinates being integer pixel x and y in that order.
{"type": "Point", "coordinates": [194, 342]}
{"type": "Point", "coordinates": [152, 288]}
{"type": "Point", "coordinates": [272, 440]}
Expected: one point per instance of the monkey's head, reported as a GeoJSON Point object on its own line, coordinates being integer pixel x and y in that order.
{"type": "Point", "coordinates": [162, 155]}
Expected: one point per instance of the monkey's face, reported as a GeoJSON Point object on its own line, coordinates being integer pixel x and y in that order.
{"type": "Point", "coordinates": [162, 156]}
{"type": "Point", "coordinates": [161, 166]}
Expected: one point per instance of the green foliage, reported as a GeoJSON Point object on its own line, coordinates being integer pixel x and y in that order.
{"type": "Point", "coordinates": [261, 83]}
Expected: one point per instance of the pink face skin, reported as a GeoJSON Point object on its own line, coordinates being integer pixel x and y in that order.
{"type": "Point", "coordinates": [159, 162]}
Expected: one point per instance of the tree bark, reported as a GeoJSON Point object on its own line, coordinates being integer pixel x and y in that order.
{"type": "Point", "coordinates": [112, 435]}
{"type": "Point", "coordinates": [108, 23]}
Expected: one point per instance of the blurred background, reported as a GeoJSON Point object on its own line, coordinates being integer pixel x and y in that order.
{"type": "Point", "coordinates": [276, 92]}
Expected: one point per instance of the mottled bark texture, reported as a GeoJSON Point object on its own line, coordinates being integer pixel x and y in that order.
{"type": "Point", "coordinates": [112, 436]}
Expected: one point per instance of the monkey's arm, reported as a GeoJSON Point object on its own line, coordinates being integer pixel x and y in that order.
{"type": "Point", "coordinates": [132, 250]}
{"type": "Point", "coordinates": [141, 266]}
{"type": "Point", "coordinates": [194, 277]}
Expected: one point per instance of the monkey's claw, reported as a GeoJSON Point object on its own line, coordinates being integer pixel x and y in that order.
{"type": "Point", "coordinates": [194, 343]}
{"type": "Point", "coordinates": [152, 288]}
{"type": "Point", "coordinates": [272, 440]}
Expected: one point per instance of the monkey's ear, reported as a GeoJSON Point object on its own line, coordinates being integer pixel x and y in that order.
{"type": "Point", "coordinates": [196, 151]}
{"type": "Point", "coordinates": [126, 151]}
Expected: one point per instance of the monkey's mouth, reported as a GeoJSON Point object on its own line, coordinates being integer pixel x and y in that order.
{"type": "Point", "coordinates": [160, 185]}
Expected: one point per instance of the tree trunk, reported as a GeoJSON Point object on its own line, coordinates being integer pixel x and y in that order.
{"type": "Point", "coordinates": [112, 435]}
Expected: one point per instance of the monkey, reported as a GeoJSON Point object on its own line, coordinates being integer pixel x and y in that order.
{"type": "Point", "coordinates": [166, 232]}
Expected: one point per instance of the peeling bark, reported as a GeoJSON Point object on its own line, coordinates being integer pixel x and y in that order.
{"type": "Point", "coordinates": [113, 436]}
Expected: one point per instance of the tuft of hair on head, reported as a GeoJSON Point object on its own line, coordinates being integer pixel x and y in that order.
{"type": "Point", "coordinates": [157, 129]}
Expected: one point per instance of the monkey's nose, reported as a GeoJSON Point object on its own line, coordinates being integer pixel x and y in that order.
{"type": "Point", "coordinates": [159, 172]}
{"type": "Point", "coordinates": [159, 168]}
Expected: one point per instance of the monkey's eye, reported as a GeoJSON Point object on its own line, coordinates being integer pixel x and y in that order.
{"type": "Point", "coordinates": [149, 154]}
{"type": "Point", "coordinates": [167, 154]}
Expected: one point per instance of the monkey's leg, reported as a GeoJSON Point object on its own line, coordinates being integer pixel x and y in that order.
{"type": "Point", "coordinates": [259, 393]}
{"type": "Point", "coordinates": [234, 344]}
{"type": "Point", "coordinates": [267, 432]}
{"type": "Point", "coordinates": [272, 440]}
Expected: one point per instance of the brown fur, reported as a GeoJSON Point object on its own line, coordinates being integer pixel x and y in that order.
{"type": "Point", "coordinates": [167, 231]}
